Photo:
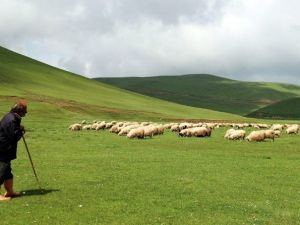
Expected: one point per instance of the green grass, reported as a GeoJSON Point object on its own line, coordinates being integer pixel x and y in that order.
{"type": "Point", "coordinates": [93, 177]}
{"type": "Point", "coordinates": [208, 91]}
{"type": "Point", "coordinates": [284, 109]}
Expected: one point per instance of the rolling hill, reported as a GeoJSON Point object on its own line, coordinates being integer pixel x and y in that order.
{"type": "Point", "coordinates": [209, 91]}
{"type": "Point", "coordinates": [289, 108]}
{"type": "Point", "coordinates": [55, 93]}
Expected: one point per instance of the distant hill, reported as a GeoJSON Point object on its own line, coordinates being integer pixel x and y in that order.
{"type": "Point", "coordinates": [53, 93]}
{"type": "Point", "coordinates": [289, 109]}
{"type": "Point", "coordinates": [209, 91]}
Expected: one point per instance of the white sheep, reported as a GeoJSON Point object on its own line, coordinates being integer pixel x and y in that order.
{"type": "Point", "coordinates": [185, 133]}
{"type": "Point", "coordinates": [270, 134]}
{"type": "Point", "coordinates": [201, 131]}
{"type": "Point", "coordinates": [277, 127]}
{"type": "Point", "coordinates": [195, 132]}
{"type": "Point", "coordinates": [75, 127]}
{"type": "Point", "coordinates": [175, 128]}
{"type": "Point", "coordinates": [228, 132]}
{"type": "Point", "coordinates": [87, 127]}
{"type": "Point", "coordinates": [256, 136]}
{"type": "Point", "coordinates": [136, 133]}
{"type": "Point", "coordinates": [125, 130]}
{"type": "Point", "coordinates": [237, 134]}
{"type": "Point", "coordinates": [293, 129]}
{"type": "Point", "coordinates": [277, 133]}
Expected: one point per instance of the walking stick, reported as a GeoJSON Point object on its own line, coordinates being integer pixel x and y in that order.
{"type": "Point", "coordinates": [37, 180]}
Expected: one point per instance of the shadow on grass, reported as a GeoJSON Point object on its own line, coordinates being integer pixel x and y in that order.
{"type": "Point", "coordinates": [37, 192]}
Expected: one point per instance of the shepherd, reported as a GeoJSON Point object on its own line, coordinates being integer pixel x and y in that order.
{"type": "Point", "coordinates": [11, 131]}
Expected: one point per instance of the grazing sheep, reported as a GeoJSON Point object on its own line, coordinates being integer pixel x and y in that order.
{"type": "Point", "coordinates": [149, 131]}
{"type": "Point", "coordinates": [270, 134]}
{"type": "Point", "coordinates": [94, 125]}
{"type": "Point", "coordinates": [293, 129]}
{"type": "Point", "coordinates": [201, 131]}
{"type": "Point", "coordinates": [175, 128]}
{"type": "Point", "coordinates": [125, 130]}
{"type": "Point", "coordinates": [115, 129]}
{"type": "Point", "coordinates": [277, 133]}
{"type": "Point", "coordinates": [75, 127]}
{"type": "Point", "coordinates": [109, 125]}
{"type": "Point", "coordinates": [136, 133]}
{"type": "Point", "coordinates": [228, 132]}
{"type": "Point", "coordinates": [256, 136]}
{"type": "Point", "coordinates": [263, 126]}
{"type": "Point", "coordinates": [237, 134]}
{"type": "Point", "coordinates": [100, 125]}
{"type": "Point", "coordinates": [277, 127]}
{"type": "Point", "coordinates": [87, 127]}
{"type": "Point", "coordinates": [185, 133]}
{"type": "Point", "coordinates": [196, 132]}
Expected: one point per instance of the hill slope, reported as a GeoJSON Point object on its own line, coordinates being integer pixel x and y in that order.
{"type": "Point", "coordinates": [49, 89]}
{"type": "Point", "coordinates": [208, 91]}
{"type": "Point", "coordinates": [289, 108]}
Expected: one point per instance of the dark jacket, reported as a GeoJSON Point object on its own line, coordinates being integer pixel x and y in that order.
{"type": "Point", "coordinates": [10, 134]}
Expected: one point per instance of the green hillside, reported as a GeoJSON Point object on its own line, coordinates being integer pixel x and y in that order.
{"type": "Point", "coordinates": [49, 89]}
{"type": "Point", "coordinates": [289, 109]}
{"type": "Point", "coordinates": [208, 91]}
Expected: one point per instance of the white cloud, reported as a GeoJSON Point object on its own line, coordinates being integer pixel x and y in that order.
{"type": "Point", "coordinates": [239, 39]}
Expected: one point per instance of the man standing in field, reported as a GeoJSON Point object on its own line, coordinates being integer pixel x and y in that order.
{"type": "Point", "coordinates": [11, 132]}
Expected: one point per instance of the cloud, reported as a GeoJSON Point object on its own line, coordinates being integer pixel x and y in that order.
{"type": "Point", "coordinates": [239, 39]}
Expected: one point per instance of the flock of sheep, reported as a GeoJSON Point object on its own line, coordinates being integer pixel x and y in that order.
{"type": "Point", "coordinates": [148, 129]}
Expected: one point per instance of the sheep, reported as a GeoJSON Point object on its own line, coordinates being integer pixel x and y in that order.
{"type": "Point", "coordinates": [116, 128]}
{"type": "Point", "coordinates": [201, 131]}
{"type": "Point", "coordinates": [184, 126]}
{"type": "Point", "coordinates": [228, 132]}
{"type": "Point", "coordinates": [256, 136]}
{"type": "Point", "coordinates": [149, 131]}
{"type": "Point", "coordinates": [185, 133]}
{"type": "Point", "coordinates": [100, 125]}
{"type": "Point", "coordinates": [94, 125]}
{"type": "Point", "coordinates": [109, 125]}
{"type": "Point", "coordinates": [263, 126]}
{"type": "Point", "coordinates": [75, 127]}
{"type": "Point", "coordinates": [277, 127]}
{"type": "Point", "coordinates": [237, 134]}
{"type": "Point", "coordinates": [293, 129]}
{"type": "Point", "coordinates": [277, 133]}
{"type": "Point", "coordinates": [136, 133]}
{"type": "Point", "coordinates": [195, 131]}
{"type": "Point", "coordinates": [168, 125]}
{"type": "Point", "coordinates": [269, 134]}
{"type": "Point", "coordinates": [175, 128]}
{"type": "Point", "coordinates": [87, 127]}
{"type": "Point", "coordinates": [125, 130]}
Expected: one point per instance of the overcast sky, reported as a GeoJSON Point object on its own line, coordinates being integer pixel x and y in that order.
{"type": "Point", "coordinates": [257, 40]}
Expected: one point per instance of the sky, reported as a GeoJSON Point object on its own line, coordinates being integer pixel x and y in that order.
{"type": "Point", "coordinates": [253, 40]}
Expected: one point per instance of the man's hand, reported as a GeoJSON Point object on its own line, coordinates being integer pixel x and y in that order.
{"type": "Point", "coordinates": [22, 128]}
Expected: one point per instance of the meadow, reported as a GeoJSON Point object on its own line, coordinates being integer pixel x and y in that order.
{"type": "Point", "coordinates": [90, 177]}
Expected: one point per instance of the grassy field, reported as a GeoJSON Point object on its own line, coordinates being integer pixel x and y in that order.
{"type": "Point", "coordinates": [100, 178]}
{"type": "Point", "coordinates": [91, 177]}
{"type": "Point", "coordinates": [208, 91]}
